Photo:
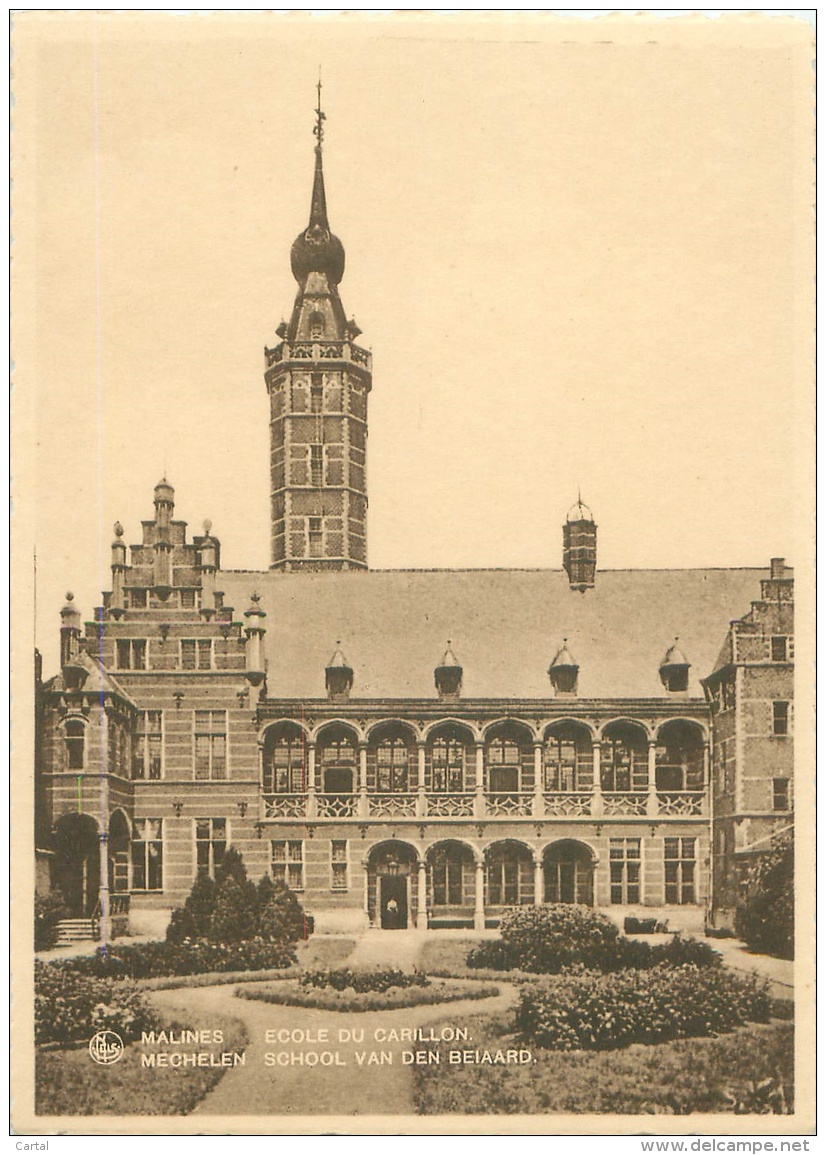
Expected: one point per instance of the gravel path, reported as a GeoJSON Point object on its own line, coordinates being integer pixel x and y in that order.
{"type": "Point", "coordinates": [296, 1090]}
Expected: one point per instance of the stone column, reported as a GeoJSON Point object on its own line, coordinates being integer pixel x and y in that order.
{"type": "Point", "coordinates": [421, 798]}
{"type": "Point", "coordinates": [312, 801]}
{"type": "Point", "coordinates": [421, 912]}
{"type": "Point", "coordinates": [103, 837]}
{"type": "Point", "coordinates": [365, 864]}
{"type": "Point", "coordinates": [363, 805]}
{"type": "Point", "coordinates": [538, 800]}
{"type": "Point", "coordinates": [479, 800]}
{"type": "Point", "coordinates": [538, 879]}
{"type": "Point", "coordinates": [596, 800]}
{"type": "Point", "coordinates": [653, 805]}
{"type": "Point", "coordinates": [479, 896]}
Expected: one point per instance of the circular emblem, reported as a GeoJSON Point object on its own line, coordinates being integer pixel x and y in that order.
{"type": "Point", "coordinates": [106, 1047]}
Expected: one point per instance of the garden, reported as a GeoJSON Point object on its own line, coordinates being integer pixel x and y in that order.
{"type": "Point", "coordinates": [615, 1025]}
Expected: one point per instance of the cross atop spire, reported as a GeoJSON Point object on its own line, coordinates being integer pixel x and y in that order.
{"type": "Point", "coordinates": [320, 117]}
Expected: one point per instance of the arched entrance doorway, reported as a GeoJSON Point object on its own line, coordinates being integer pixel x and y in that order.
{"type": "Point", "coordinates": [76, 864]}
{"type": "Point", "coordinates": [392, 885]}
{"type": "Point", "coordinates": [568, 867]}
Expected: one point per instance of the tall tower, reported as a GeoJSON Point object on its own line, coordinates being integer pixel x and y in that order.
{"type": "Point", "coordinates": [318, 380]}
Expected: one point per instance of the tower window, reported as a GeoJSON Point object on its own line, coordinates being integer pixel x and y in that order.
{"type": "Point", "coordinates": [316, 326]}
{"type": "Point", "coordinates": [780, 718]}
{"type": "Point", "coordinates": [780, 794]}
{"type": "Point", "coordinates": [316, 465]}
{"type": "Point", "coordinates": [316, 537]}
{"type": "Point", "coordinates": [316, 398]}
{"type": "Point", "coordinates": [75, 742]}
{"type": "Point", "coordinates": [779, 649]}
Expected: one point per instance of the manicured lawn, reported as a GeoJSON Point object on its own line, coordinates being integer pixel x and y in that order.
{"type": "Point", "coordinates": [323, 952]}
{"type": "Point", "coordinates": [447, 955]}
{"type": "Point", "coordinates": [67, 1082]}
{"type": "Point", "coordinates": [683, 1077]}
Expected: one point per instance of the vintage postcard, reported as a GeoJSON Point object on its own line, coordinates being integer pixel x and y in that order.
{"type": "Point", "coordinates": [458, 777]}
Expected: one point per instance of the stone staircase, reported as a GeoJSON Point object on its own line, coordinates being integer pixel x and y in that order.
{"type": "Point", "coordinates": [71, 930]}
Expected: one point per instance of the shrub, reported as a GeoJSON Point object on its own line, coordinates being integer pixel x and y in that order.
{"type": "Point", "coordinates": [280, 913]}
{"type": "Point", "coordinates": [69, 1006]}
{"type": "Point", "coordinates": [493, 954]}
{"type": "Point", "coordinates": [601, 1012]}
{"type": "Point", "coordinates": [348, 1000]}
{"type": "Point", "coordinates": [633, 925]}
{"type": "Point", "coordinates": [678, 951]}
{"type": "Point", "coordinates": [49, 909]}
{"type": "Point", "coordinates": [360, 981]}
{"type": "Point", "coordinates": [235, 914]}
{"type": "Point", "coordinates": [546, 939]}
{"type": "Point", "coordinates": [159, 959]}
{"type": "Point", "coordinates": [765, 918]}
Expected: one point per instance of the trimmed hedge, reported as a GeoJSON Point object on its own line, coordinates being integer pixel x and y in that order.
{"type": "Point", "coordinates": [602, 1012]}
{"type": "Point", "coordinates": [70, 1007]}
{"type": "Point", "coordinates": [553, 938]}
{"type": "Point", "coordinates": [159, 959]}
{"type": "Point", "coordinates": [293, 994]}
{"type": "Point", "coordinates": [362, 981]}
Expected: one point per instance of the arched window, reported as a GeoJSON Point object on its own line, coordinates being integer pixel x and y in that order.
{"type": "Point", "coordinates": [679, 757]}
{"type": "Point", "coordinates": [509, 871]}
{"type": "Point", "coordinates": [447, 876]}
{"type": "Point", "coordinates": [568, 760]}
{"type": "Point", "coordinates": [448, 765]}
{"type": "Point", "coordinates": [624, 761]}
{"type": "Point", "coordinates": [284, 769]}
{"type": "Point", "coordinates": [338, 764]}
{"type": "Point", "coordinates": [75, 732]}
{"type": "Point", "coordinates": [392, 766]}
{"type": "Point", "coordinates": [504, 761]}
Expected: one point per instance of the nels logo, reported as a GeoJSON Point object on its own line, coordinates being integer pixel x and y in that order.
{"type": "Point", "coordinates": [106, 1047]}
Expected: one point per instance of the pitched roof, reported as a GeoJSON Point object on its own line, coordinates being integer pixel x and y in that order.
{"type": "Point", "coordinates": [506, 624]}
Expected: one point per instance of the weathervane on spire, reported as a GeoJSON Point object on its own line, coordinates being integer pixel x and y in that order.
{"type": "Point", "coordinates": [318, 129]}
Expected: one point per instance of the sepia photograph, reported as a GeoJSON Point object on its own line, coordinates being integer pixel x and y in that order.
{"type": "Point", "coordinates": [412, 489]}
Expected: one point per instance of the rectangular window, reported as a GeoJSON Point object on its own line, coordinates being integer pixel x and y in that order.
{"type": "Point", "coordinates": [680, 863]}
{"type": "Point", "coordinates": [288, 863]}
{"type": "Point", "coordinates": [196, 653]}
{"type": "Point", "coordinates": [780, 717]}
{"type": "Point", "coordinates": [780, 790]}
{"type": "Point", "coordinates": [147, 752]}
{"type": "Point", "coordinates": [316, 398]}
{"type": "Point", "coordinates": [503, 882]}
{"type": "Point", "coordinates": [338, 863]}
{"type": "Point", "coordinates": [624, 862]}
{"type": "Point", "coordinates": [187, 599]}
{"type": "Point", "coordinates": [446, 878]}
{"type": "Point", "coordinates": [210, 843]}
{"type": "Point", "coordinates": [316, 465]}
{"type": "Point", "coordinates": [131, 653]}
{"type": "Point", "coordinates": [210, 744]}
{"type": "Point", "coordinates": [147, 854]}
{"type": "Point", "coordinates": [137, 599]}
{"type": "Point", "coordinates": [316, 536]}
{"type": "Point", "coordinates": [75, 732]}
{"type": "Point", "coordinates": [779, 649]}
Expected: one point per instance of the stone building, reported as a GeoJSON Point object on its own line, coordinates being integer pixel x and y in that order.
{"type": "Point", "coordinates": [491, 738]}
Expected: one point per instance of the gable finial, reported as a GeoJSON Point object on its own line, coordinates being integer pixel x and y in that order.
{"type": "Point", "coordinates": [318, 129]}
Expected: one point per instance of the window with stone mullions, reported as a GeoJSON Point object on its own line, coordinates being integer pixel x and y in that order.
{"type": "Point", "coordinates": [504, 764]}
{"type": "Point", "coordinates": [560, 764]}
{"type": "Point", "coordinates": [680, 862]}
{"type": "Point", "coordinates": [285, 773]}
{"type": "Point", "coordinates": [392, 760]}
{"type": "Point", "coordinates": [624, 864]}
{"type": "Point", "coordinates": [210, 744]}
{"type": "Point", "coordinates": [131, 653]}
{"type": "Point", "coordinates": [448, 766]}
{"type": "Point", "coordinates": [446, 878]}
{"type": "Point", "coordinates": [287, 864]}
{"type": "Point", "coordinates": [210, 844]}
{"type": "Point", "coordinates": [147, 854]}
{"type": "Point", "coordinates": [338, 863]}
{"type": "Point", "coordinates": [147, 752]}
{"type": "Point", "coordinates": [196, 653]}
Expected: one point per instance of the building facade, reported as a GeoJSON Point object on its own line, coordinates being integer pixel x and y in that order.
{"type": "Point", "coordinates": [569, 753]}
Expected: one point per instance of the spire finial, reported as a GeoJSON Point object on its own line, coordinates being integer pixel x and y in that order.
{"type": "Point", "coordinates": [320, 117]}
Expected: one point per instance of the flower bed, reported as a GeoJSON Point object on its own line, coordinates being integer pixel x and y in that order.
{"type": "Point", "coordinates": [361, 981]}
{"type": "Point", "coordinates": [70, 1007]}
{"type": "Point", "coordinates": [603, 1012]}
{"type": "Point", "coordinates": [160, 959]}
{"type": "Point", "coordinates": [293, 994]}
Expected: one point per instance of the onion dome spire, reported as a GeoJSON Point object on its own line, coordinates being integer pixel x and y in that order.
{"type": "Point", "coordinates": [564, 671]}
{"type": "Point", "coordinates": [316, 250]}
{"type": "Point", "coordinates": [674, 669]}
{"type": "Point", "coordinates": [448, 675]}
